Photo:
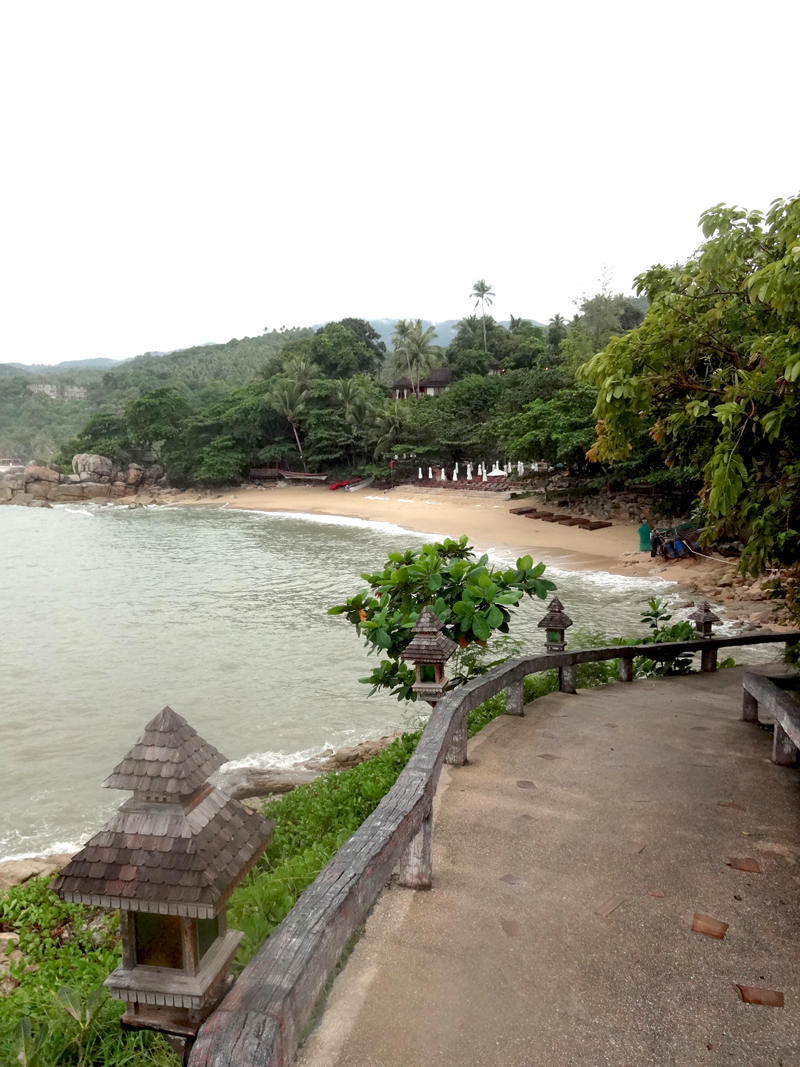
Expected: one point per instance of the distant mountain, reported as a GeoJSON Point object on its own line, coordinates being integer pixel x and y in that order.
{"type": "Point", "coordinates": [445, 330]}
{"type": "Point", "coordinates": [68, 365]}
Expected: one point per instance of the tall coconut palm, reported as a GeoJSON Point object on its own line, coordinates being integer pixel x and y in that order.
{"type": "Point", "coordinates": [419, 348]}
{"type": "Point", "coordinates": [400, 334]}
{"type": "Point", "coordinates": [483, 295]}
{"type": "Point", "coordinates": [288, 398]}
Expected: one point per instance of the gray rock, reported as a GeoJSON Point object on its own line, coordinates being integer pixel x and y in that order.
{"type": "Point", "coordinates": [13, 481]}
{"type": "Point", "coordinates": [23, 500]}
{"type": "Point", "coordinates": [99, 468]}
{"type": "Point", "coordinates": [152, 474]}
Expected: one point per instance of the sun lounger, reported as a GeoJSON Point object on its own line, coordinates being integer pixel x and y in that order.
{"type": "Point", "coordinates": [598, 525]}
{"type": "Point", "coordinates": [570, 522]}
{"type": "Point", "coordinates": [520, 511]}
{"type": "Point", "coordinates": [546, 515]}
{"type": "Point", "coordinates": [553, 518]}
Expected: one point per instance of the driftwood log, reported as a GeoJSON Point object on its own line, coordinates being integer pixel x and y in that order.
{"type": "Point", "coordinates": [261, 1021]}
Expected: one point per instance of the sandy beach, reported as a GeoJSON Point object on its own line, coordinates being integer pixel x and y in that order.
{"type": "Point", "coordinates": [484, 517]}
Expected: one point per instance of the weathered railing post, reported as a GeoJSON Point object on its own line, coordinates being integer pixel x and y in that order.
{"type": "Point", "coordinates": [515, 698]}
{"type": "Point", "coordinates": [456, 754]}
{"type": "Point", "coordinates": [415, 869]}
{"type": "Point", "coordinates": [626, 668]}
{"type": "Point", "coordinates": [749, 707]}
{"type": "Point", "coordinates": [784, 750]}
{"type": "Point", "coordinates": [567, 679]}
{"type": "Point", "coordinates": [708, 660]}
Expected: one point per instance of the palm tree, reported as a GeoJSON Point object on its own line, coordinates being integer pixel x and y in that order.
{"type": "Point", "coordinates": [419, 348]}
{"type": "Point", "coordinates": [483, 295]}
{"type": "Point", "coordinates": [352, 400]}
{"type": "Point", "coordinates": [402, 329]}
{"type": "Point", "coordinates": [288, 398]}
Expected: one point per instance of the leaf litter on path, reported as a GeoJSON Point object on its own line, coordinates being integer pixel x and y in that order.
{"type": "Point", "coordinates": [705, 924]}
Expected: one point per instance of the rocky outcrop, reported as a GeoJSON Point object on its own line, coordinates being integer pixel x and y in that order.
{"type": "Point", "coordinates": [17, 872]}
{"type": "Point", "coordinates": [92, 468]}
{"type": "Point", "coordinates": [95, 478]}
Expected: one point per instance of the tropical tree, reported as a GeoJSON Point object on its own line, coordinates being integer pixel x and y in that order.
{"type": "Point", "coordinates": [483, 295]}
{"type": "Point", "coordinates": [469, 596]}
{"type": "Point", "coordinates": [712, 373]}
{"type": "Point", "coordinates": [288, 398]}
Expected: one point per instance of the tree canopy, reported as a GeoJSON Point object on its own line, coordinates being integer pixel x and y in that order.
{"type": "Point", "coordinates": [711, 374]}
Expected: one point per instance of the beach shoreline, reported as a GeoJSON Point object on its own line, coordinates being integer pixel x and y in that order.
{"type": "Point", "coordinates": [484, 517]}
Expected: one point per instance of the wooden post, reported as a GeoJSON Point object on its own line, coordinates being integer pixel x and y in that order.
{"type": "Point", "coordinates": [749, 707]}
{"type": "Point", "coordinates": [784, 751]}
{"type": "Point", "coordinates": [708, 662]}
{"type": "Point", "coordinates": [457, 752]}
{"type": "Point", "coordinates": [415, 868]}
{"type": "Point", "coordinates": [515, 698]}
{"type": "Point", "coordinates": [567, 680]}
{"type": "Point", "coordinates": [626, 668]}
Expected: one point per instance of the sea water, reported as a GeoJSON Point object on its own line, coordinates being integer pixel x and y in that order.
{"type": "Point", "coordinates": [107, 614]}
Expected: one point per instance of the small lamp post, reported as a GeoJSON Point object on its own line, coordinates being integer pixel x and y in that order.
{"type": "Point", "coordinates": [555, 624]}
{"type": "Point", "coordinates": [169, 860]}
{"type": "Point", "coordinates": [704, 619]}
{"type": "Point", "coordinates": [429, 650]}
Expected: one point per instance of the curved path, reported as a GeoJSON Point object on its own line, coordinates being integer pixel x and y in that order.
{"type": "Point", "coordinates": [570, 856]}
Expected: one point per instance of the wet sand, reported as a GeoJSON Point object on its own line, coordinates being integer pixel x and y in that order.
{"type": "Point", "coordinates": [484, 517]}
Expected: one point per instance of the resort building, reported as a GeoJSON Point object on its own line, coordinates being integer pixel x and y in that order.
{"type": "Point", "coordinates": [438, 381]}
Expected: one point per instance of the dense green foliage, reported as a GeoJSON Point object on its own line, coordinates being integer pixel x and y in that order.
{"type": "Point", "coordinates": [470, 598]}
{"type": "Point", "coordinates": [712, 375]}
{"type": "Point", "coordinates": [322, 400]}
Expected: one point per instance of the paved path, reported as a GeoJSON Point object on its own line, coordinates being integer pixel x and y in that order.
{"type": "Point", "coordinates": [641, 792]}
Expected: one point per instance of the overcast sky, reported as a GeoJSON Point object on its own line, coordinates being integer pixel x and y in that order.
{"type": "Point", "coordinates": [181, 172]}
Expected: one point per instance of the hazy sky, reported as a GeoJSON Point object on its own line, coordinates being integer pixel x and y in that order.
{"type": "Point", "coordinates": [179, 172]}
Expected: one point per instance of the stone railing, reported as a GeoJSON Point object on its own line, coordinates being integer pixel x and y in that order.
{"type": "Point", "coordinates": [261, 1021]}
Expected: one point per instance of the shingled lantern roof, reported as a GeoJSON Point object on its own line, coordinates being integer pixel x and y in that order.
{"type": "Point", "coordinates": [169, 859]}
{"type": "Point", "coordinates": [429, 650]}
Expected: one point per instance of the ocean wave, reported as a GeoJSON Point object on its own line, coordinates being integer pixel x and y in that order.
{"type": "Point", "coordinates": [340, 520]}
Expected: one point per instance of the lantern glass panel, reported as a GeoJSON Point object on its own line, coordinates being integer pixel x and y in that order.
{"type": "Point", "coordinates": [158, 940]}
{"type": "Point", "coordinates": [207, 934]}
{"type": "Point", "coordinates": [427, 672]}
{"type": "Point", "coordinates": [553, 635]}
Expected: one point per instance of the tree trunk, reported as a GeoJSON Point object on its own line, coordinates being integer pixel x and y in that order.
{"type": "Point", "coordinates": [483, 320]}
{"type": "Point", "coordinates": [299, 446]}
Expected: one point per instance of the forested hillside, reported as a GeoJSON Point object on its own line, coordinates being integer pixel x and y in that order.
{"type": "Point", "coordinates": [35, 426]}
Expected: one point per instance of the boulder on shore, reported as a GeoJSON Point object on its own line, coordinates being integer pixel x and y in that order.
{"type": "Point", "coordinates": [98, 468]}
{"type": "Point", "coordinates": [17, 872]}
{"type": "Point", "coordinates": [32, 473]}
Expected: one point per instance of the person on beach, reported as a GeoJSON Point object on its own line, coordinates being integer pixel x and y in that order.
{"type": "Point", "coordinates": [645, 538]}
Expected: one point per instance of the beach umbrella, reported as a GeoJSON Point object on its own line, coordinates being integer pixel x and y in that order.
{"type": "Point", "coordinates": [469, 472]}
{"type": "Point", "coordinates": [444, 475]}
{"type": "Point", "coordinates": [484, 474]}
{"type": "Point", "coordinates": [420, 473]}
{"type": "Point", "coordinates": [430, 475]}
{"type": "Point", "coordinates": [455, 473]}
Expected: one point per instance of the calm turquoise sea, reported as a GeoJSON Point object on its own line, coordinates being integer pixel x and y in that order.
{"type": "Point", "coordinates": [108, 614]}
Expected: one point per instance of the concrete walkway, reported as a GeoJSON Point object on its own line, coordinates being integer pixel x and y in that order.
{"type": "Point", "coordinates": [628, 797]}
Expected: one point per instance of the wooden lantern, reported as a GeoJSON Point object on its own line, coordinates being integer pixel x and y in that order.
{"type": "Point", "coordinates": [704, 619]}
{"type": "Point", "coordinates": [169, 860]}
{"type": "Point", "coordinates": [429, 650]}
{"type": "Point", "coordinates": [555, 623]}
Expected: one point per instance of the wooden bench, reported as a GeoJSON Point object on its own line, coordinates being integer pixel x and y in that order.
{"type": "Point", "coordinates": [554, 518]}
{"type": "Point", "coordinates": [520, 511]}
{"type": "Point", "coordinates": [777, 700]}
{"type": "Point", "coordinates": [539, 515]}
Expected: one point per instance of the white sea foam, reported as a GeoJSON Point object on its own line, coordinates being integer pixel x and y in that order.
{"type": "Point", "coordinates": [341, 520]}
